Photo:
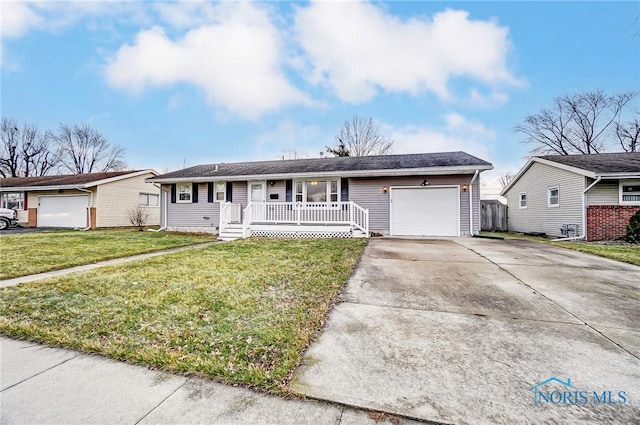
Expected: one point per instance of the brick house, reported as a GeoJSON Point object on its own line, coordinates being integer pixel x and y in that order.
{"type": "Point", "coordinates": [575, 196]}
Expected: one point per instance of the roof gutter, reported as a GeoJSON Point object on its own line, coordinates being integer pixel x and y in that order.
{"type": "Point", "coordinates": [584, 213]}
{"type": "Point", "coordinates": [40, 188]}
{"type": "Point", "coordinates": [165, 204]}
{"type": "Point", "coordinates": [353, 173]}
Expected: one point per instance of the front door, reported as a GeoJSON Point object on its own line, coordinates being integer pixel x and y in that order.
{"type": "Point", "coordinates": [257, 196]}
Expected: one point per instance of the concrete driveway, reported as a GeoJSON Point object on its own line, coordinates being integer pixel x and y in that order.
{"type": "Point", "coordinates": [460, 331]}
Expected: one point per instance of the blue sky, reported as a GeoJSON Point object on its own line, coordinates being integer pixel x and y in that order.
{"type": "Point", "coordinates": [184, 83]}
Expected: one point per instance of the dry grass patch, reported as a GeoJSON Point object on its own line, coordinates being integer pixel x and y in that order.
{"type": "Point", "coordinates": [619, 251]}
{"type": "Point", "coordinates": [31, 253]}
{"type": "Point", "coordinates": [241, 312]}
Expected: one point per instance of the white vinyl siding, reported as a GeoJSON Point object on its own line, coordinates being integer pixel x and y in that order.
{"type": "Point", "coordinates": [278, 188]}
{"type": "Point", "coordinates": [538, 217]}
{"type": "Point", "coordinates": [198, 215]}
{"type": "Point", "coordinates": [604, 193]}
{"type": "Point", "coordinates": [239, 193]}
{"type": "Point", "coordinates": [114, 200]}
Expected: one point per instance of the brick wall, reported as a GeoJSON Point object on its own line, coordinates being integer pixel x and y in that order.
{"type": "Point", "coordinates": [608, 222]}
{"type": "Point", "coordinates": [33, 217]}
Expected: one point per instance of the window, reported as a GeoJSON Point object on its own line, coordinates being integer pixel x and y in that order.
{"type": "Point", "coordinates": [149, 200]}
{"type": "Point", "coordinates": [523, 200]}
{"type": "Point", "coordinates": [221, 189]}
{"type": "Point", "coordinates": [630, 192]}
{"type": "Point", "coordinates": [317, 191]}
{"type": "Point", "coordinates": [13, 201]}
{"type": "Point", "coordinates": [184, 192]}
{"type": "Point", "coordinates": [553, 197]}
{"type": "Point", "coordinates": [333, 193]}
{"type": "Point", "coordinates": [299, 195]}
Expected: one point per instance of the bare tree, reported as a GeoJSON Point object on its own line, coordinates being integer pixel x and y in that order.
{"type": "Point", "coordinates": [25, 150]}
{"type": "Point", "coordinates": [293, 154]}
{"type": "Point", "coordinates": [629, 135]}
{"type": "Point", "coordinates": [578, 123]}
{"type": "Point", "coordinates": [84, 150]}
{"type": "Point", "coordinates": [505, 179]}
{"type": "Point", "coordinates": [360, 136]}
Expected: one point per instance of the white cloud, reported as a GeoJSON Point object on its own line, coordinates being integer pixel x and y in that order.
{"type": "Point", "coordinates": [17, 18]}
{"type": "Point", "coordinates": [235, 61]}
{"type": "Point", "coordinates": [359, 49]}
{"type": "Point", "coordinates": [457, 133]}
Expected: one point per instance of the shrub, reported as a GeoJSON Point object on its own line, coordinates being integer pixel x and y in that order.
{"type": "Point", "coordinates": [633, 228]}
{"type": "Point", "coordinates": [138, 217]}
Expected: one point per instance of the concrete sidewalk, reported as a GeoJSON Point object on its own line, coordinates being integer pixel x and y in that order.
{"type": "Point", "coordinates": [55, 386]}
{"type": "Point", "coordinates": [85, 267]}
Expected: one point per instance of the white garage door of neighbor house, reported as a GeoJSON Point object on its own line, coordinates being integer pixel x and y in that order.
{"type": "Point", "coordinates": [425, 211]}
{"type": "Point", "coordinates": [63, 211]}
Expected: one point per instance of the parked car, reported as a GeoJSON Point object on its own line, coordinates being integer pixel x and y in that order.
{"type": "Point", "coordinates": [8, 218]}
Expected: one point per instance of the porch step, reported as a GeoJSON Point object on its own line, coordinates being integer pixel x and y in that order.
{"type": "Point", "coordinates": [231, 233]}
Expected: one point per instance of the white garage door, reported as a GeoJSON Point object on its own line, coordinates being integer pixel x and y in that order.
{"type": "Point", "coordinates": [428, 211]}
{"type": "Point", "coordinates": [63, 211]}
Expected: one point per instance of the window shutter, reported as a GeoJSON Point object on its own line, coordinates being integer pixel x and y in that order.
{"type": "Point", "coordinates": [173, 193]}
{"type": "Point", "coordinates": [229, 192]}
{"type": "Point", "coordinates": [288, 190]}
{"type": "Point", "coordinates": [25, 200]}
{"type": "Point", "coordinates": [344, 189]}
{"type": "Point", "coordinates": [194, 193]}
{"type": "Point", "coordinates": [210, 192]}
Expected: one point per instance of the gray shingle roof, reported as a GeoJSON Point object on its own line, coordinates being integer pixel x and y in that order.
{"type": "Point", "coordinates": [60, 180]}
{"type": "Point", "coordinates": [329, 165]}
{"type": "Point", "coordinates": [603, 163]}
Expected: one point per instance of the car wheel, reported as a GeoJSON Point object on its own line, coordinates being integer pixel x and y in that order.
{"type": "Point", "coordinates": [4, 224]}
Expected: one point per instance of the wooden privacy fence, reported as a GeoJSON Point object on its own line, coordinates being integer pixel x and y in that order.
{"type": "Point", "coordinates": [494, 215]}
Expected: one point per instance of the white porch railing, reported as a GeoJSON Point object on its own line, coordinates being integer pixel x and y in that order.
{"type": "Point", "coordinates": [299, 213]}
{"type": "Point", "coordinates": [230, 213]}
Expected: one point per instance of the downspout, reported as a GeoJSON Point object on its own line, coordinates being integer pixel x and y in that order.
{"type": "Point", "coordinates": [90, 206]}
{"type": "Point", "coordinates": [166, 208]}
{"type": "Point", "coordinates": [584, 214]}
{"type": "Point", "coordinates": [471, 202]}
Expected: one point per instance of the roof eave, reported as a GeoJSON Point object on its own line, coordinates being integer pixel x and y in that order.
{"type": "Point", "coordinates": [42, 188]}
{"type": "Point", "coordinates": [576, 170]}
{"type": "Point", "coordinates": [607, 176]}
{"type": "Point", "coordinates": [465, 169]}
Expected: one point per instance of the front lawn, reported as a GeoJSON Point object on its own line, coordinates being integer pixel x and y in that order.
{"type": "Point", "coordinates": [620, 252]}
{"type": "Point", "coordinates": [241, 312]}
{"type": "Point", "coordinates": [31, 253]}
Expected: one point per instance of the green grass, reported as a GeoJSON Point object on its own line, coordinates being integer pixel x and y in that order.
{"type": "Point", "coordinates": [31, 253]}
{"type": "Point", "coordinates": [625, 253]}
{"type": "Point", "coordinates": [241, 312]}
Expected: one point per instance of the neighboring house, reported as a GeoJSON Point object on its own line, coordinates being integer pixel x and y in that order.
{"type": "Point", "coordinates": [430, 194]}
{"type": "Point", "coordinates": [82, 200]}
{"type": "Point", "coordinates": [566, 195]}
